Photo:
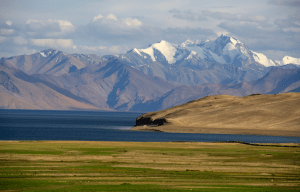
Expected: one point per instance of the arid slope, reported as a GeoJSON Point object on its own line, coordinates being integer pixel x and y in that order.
{"type": "Point", "coordinates": [21, 91]}
{"type": "Point", "coordinates": [256, 115]}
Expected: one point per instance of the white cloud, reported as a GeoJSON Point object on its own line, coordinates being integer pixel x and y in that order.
{"type": "Point", "coordinates": [290, 22]}
{"type": "Point", "coordinates": [258, 18]}
{"type": "Point", "coordinates": [217, 15]}
{"type": "Point", "coordinates": [6, 31]}
{"type": "Point", "coordinates": [258, 24]}
{"type": "Point", "coordinates": [112, 16]}
{"type": "Point", "coordinates": [20, 40]}
{"type": "Point", "coordinates": [54, 43]}
{"type": "Point", "coordinates": [116, 49]}
{"type": "Point", "coordinates": [50, 25]}
{"type": "Point", "coordinates": [97, 17]}
{"type": "Point", "coordinates": [112, 31]}
{"type": "Point", "coordinates": [234, 17]}
{"type": "Point", "coordinates": [219, 33]}
{"type": "Point", "coordinates": [258, 37]}
{"type": "Point", "coordinates": [292, 29]}
{"type": "Point", "coordinates": [3, 39]}
{"type": "Point", "coordinates": [91, 48]}
{"type": "Point", "coordinates": [187, 15]}
{"type": "Point", "coordinates": [292, 3]}
{"type": "Point", "coordinates": [133, 22]}
{"type": "Point", "coordinates": [9, 23]}
{"type": "Point", "coordinates": [101, 50]}
{"type": "Point", "coordinates": [65, 25]}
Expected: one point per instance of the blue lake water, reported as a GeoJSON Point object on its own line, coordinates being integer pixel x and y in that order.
{"type": "Point", "coordinates": [101, 126]}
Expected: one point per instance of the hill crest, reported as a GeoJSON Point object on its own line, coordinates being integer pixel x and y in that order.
{"type": "Point", "coordinates": [254, 114]}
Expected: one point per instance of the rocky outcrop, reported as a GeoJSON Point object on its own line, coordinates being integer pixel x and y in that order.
{"type": "Point", "coordinates": [149, 121]}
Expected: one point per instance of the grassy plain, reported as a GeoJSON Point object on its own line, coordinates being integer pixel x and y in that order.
{"type": "Point", "coordinates": [144, 166]}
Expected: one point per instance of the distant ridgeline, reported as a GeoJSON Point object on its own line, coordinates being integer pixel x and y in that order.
{"type": "Point", "coordinates": [158, 77]}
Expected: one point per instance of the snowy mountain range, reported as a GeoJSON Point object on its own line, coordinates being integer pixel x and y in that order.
{"type": "Point", "coordinates": [224, 50]}
{"type": "Point", "coordinates": [157, 77]}
{"type": "Point", "coordinates": [225, 60]}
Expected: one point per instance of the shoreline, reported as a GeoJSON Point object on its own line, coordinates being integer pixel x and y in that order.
{"type": "Point", "coordinates": [297, 145]}
{"type": "Point", "coordinates": [293, 145]}
{"type": "Point", "coordinates": [234, 131]}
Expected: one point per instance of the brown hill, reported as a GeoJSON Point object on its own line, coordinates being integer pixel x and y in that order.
{"type": "Point", "coordinates": [277, 115]}
{"type": "Point", "coordinates": [21, 91]}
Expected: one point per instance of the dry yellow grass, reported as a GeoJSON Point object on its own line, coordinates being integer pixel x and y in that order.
{"type": "Point", "coordinates": [138, 166]}
{"type": "Point", "coordinates": [277, 115]}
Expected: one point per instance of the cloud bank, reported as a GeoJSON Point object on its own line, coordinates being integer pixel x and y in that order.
{"type": "Point", "coordinates": [271, 27]}
{"type": "Point", "coordinates": [292, 3]}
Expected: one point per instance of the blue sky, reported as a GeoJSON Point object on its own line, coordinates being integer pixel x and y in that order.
{"type": "Point", "coordinates": [103, 27]}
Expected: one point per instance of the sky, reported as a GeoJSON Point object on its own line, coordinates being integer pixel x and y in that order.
{"type": "Point", "coordinates": [271, 27]}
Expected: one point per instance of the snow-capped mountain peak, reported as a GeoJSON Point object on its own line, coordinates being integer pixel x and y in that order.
{"type": "Point", "coordinates": [291, 60]}
{"type": "Point", "coordinates": [167, 49]}
{"type": "Point", "coordinates": [137, 51]}
{"type": "Point", "coordinates": [224, 50]}
{"type": "Point", "coordinates": [162, 51]}
{"type": "Point", "coordinates": [262, 59]}
{"type": "Point", "coordinates": [288, 60]}
{"type": "Point", "coordinates": [48, 52]}
{"type": "Point", "coordinates": [149, 51]}
{"type": "Point", "coordinates": [223, 39]}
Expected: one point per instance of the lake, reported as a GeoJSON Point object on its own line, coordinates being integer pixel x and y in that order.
{"type": "Point", "coordinates": [101, 126]}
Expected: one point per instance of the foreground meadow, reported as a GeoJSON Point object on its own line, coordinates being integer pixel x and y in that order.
{"type": "Point", "coordinates": [133, 166]}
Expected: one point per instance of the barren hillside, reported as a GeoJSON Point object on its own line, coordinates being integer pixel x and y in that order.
{"type": "Point", "coordinates": [277, 114]}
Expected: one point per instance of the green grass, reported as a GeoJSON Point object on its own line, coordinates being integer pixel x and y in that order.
{"type": "Point", "coordinates": [31, 152]}
{"type": "Point", "coordinates": [128, 166]}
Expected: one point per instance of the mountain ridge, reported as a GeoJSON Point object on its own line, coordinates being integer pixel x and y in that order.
{"type": "Point", "coordinates": [276, 81]}
{"type": "Point", "coordinates": [134, 81]}
{"type": "Point", "coordinates": [223, 50]}
{"type": "Point", "coordinates": [21, 91]}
